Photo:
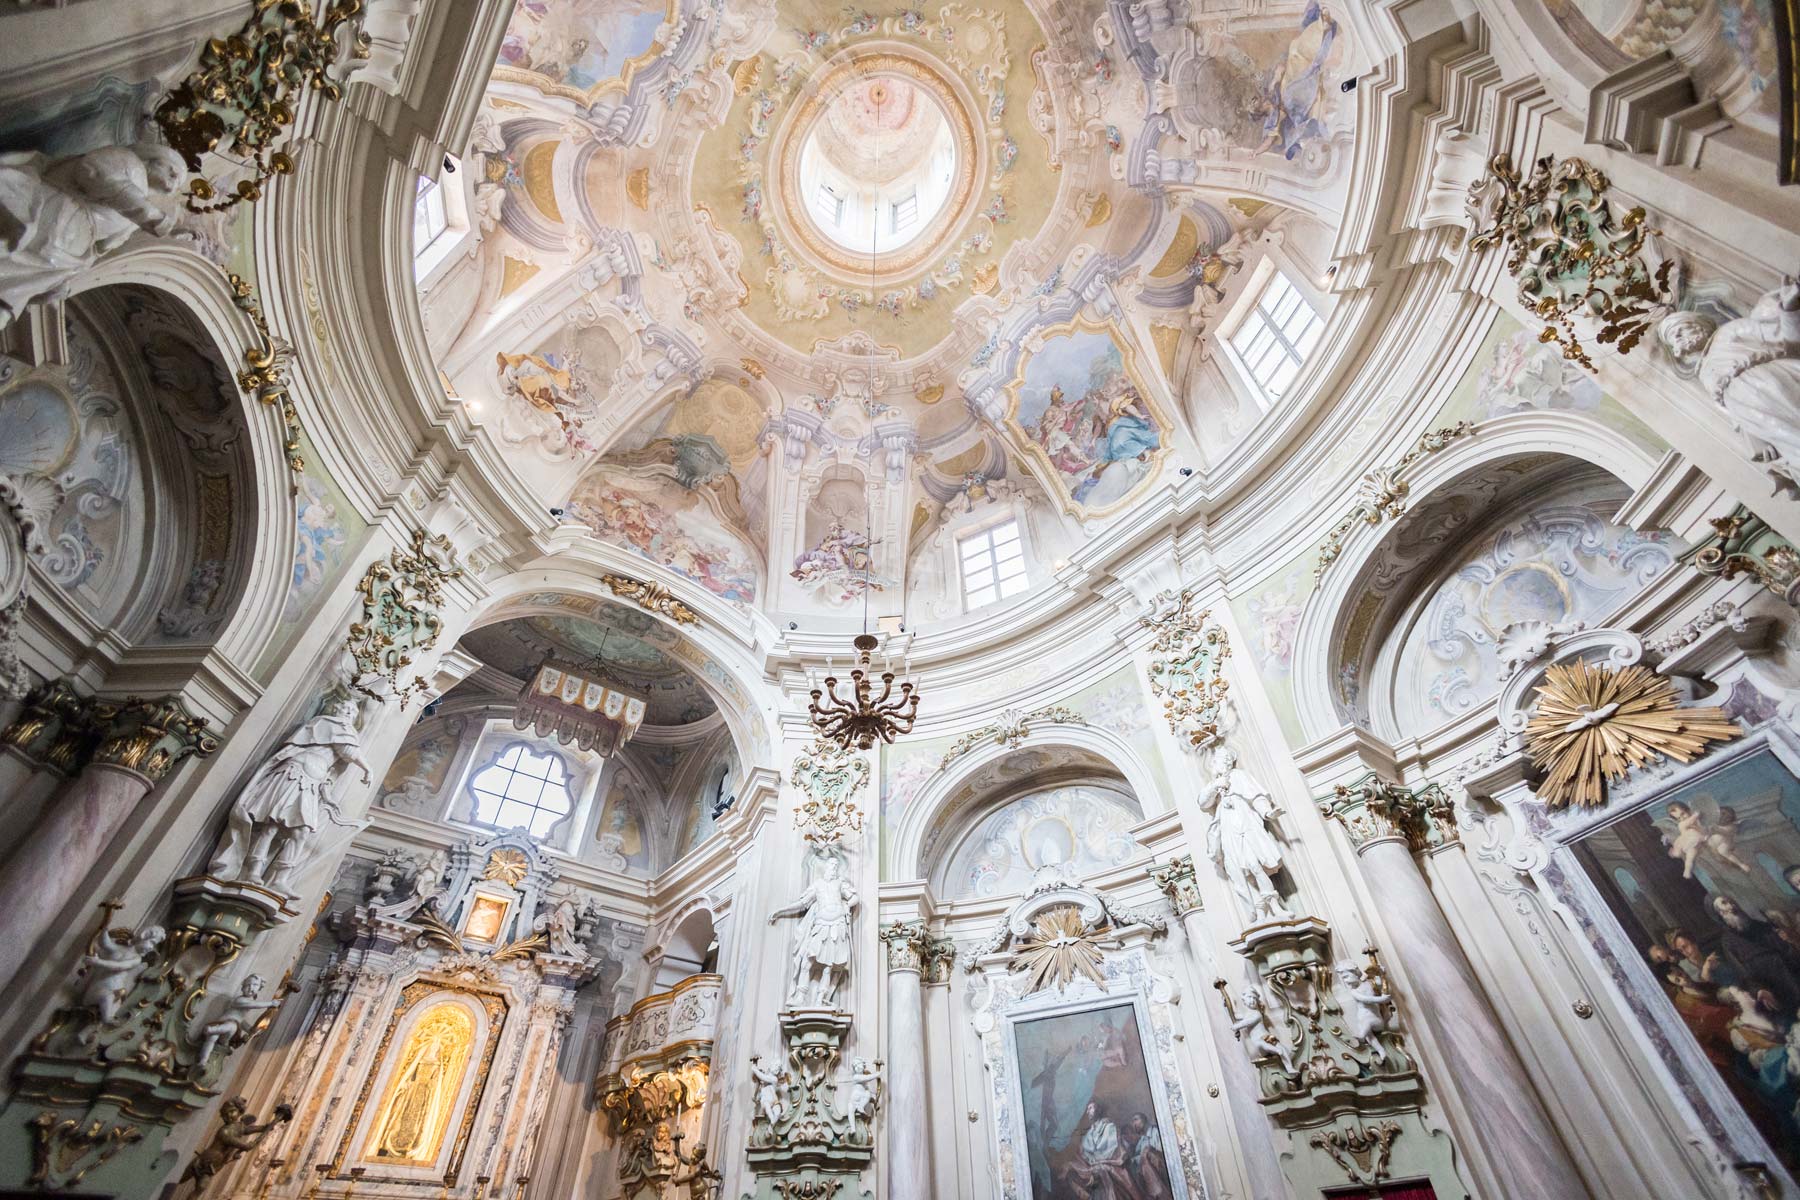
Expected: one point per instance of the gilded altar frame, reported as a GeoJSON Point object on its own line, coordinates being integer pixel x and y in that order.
{"type": "Point", "coordinates": [415, 997]}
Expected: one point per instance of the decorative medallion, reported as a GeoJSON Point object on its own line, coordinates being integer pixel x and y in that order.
{"type": "Point", "coordinates": [399, 620]}
{"type": "Point", "coordinates": [1571, 257]}
{"type": "Point", "coordinates": [1593, 723]}
{"type": "Point", "coordinates": [829, 775]}
{"type": "Point", "coordinates": [1187, 666]}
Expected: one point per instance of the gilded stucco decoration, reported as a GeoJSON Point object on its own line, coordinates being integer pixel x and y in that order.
{"type": "Point", "coordinates": [1381, 494]}
{"type": "Point", "coordinates": [1593, 724]}
{"type": "Point", "coordinates": [1010, 730]}
{"type": "Point", "coordinates": [653, 597]}
{"type": "Point", "coordinates": [829, 776]}
{"type": "Point", "coordinates": [1188, 653]}
{"type": "Point", "coordinates": [1573, 258]}
{"type": "Point", "coordinates": [401, 599]}
{"type": "Point", "coordinates": [1059, 948]}
{"type": "Point", "coordinates": [265, 369]}
{"type": "Point", "coordinates": [1744, 544]}
{"type": "Point", "coordinates": [246, 90]}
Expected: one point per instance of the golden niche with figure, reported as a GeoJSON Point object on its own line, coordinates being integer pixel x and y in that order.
{"type": "Point", "coordinates": [421, 1094]}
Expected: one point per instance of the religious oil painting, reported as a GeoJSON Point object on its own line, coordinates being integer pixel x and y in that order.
{"type": "Point", "coordinates": [579, 45]}
{"type": "Point", "coordinates": [1090, 1116]}
{"type": "Point", "coordinates": [1705, 881]}
{"type": "Point", "coordinates": [1082, 409]}
{"type": "Point", "coordinates": [486, 916]}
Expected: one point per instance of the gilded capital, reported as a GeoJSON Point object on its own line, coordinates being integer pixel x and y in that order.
{"type": "Point", "coordinates": [150, 736]}
{"type": "Point", "coordinates": [1373, 811]}
{"type": "Point", "coordinates": [53, 728]}
{"type": "Point", "coordinates": [1176, 879]}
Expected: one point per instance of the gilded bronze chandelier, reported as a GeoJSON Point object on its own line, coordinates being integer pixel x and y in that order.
{"type": "Point", "coordinates": [860, 717]}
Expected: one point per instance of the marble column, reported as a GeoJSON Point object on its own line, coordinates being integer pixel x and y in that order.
{"type": "Point", "coordinates": [137, 743]}
{"type": "Point", "coordinates": [1256, 1140]}
{"type": "Point", "coordinates": [908, 1141]}
{"type": "Point", "coordinates": [1386, 825]}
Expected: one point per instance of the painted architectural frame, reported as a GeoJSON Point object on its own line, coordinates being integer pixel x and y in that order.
{"type": "Point", "coordinates": [1666, 1037]}
{"type": "Point", "coordinates": [1125, 432]}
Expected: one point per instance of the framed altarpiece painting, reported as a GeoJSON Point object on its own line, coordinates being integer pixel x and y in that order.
{"type": "Point", "coordinates": [1687, 887]}
{"type": "Point", "coordinates": [1085, 1087]}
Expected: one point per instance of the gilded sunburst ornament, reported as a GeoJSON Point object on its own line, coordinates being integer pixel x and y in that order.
{"type": "Point", "coordinates": [1593, 724]}
{"type": "Point", "coordinates": [507, 865]}
{"type": "Point", "coordinates": [1058, 948]}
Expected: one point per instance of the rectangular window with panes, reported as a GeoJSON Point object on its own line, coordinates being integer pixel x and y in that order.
{"type": "Point", "coordinates": [429, 218]}
{"type": "Point", "coordinates": [904, 213]}
{"type": "Point", "coordinates": [1275, 337]}
{"type": "Point", "coordinates": [831, 204]}
{"type": "Point", "coordinates": [993, 564]}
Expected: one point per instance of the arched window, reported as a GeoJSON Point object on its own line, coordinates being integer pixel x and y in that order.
{"type": "Point", "coordinates": [523, 788]}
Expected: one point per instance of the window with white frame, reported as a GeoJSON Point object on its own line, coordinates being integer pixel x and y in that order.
{"type": "Point", "coordinates": [992, 561]}
{"type": "Point", "coordinates": [430, 220]}
{"type": "Point", "coordinates": [829, 204]}
{"type": "Point", "coordinates": [522, 788]}
{"type": "Point", "coordinates": [1276, 335]}
{"type": "Point", "coordinates": [904, 213]}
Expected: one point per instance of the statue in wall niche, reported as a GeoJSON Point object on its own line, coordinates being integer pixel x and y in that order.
{"type": "Point", "coordinates": [430, 877]}
{"type": "Point", "coordinates": [58, 216]}
{"type": "Point", "coordinates": [115, 960]}
{"type": "Point", "coordinates": [557, 921]}
{"type": "Point", "coordinates": [275, 819]}
{"type": "Point", "coordinates": [1256, 1029]}
{"type": "Point", "coordinates": [862, 1093]}
{"type": "Point", "coordinates": [770, 1082]}
{"type": "Point", "coordinates": [822, 948]}
{"type": "Point", "coordinates": [243, 1017]}
{"type": "Point", "coordinates": [1752, 368]}
{"type": "Point", "coordinates": [1238, 839]}
{"type": "Point", "coordinates": [238, 1134]}
{"type": "Point", "coordinates": [1370, 1009]}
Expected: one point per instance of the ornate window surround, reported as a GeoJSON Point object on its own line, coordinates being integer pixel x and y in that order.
{"type": "Point", "coordinates": [498, 736]}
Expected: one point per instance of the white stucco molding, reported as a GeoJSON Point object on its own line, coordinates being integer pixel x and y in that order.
{"type": "Point", "coordinates": [1578, 436]}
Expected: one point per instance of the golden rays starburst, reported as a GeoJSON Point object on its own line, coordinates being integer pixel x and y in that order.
{"type": "Point", "coordinates": [1057, 949]}
{"type": "Point", "coordinates": [1593, 724]}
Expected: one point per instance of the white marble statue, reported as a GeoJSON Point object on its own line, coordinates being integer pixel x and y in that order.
{"type": "Point", "coordinates": [1370, 1010]}
{"type": "Point", "coordinates": [58, 216]}
{"type": "Point", "coordinates": [111, 968]}
{"type": "Point", "coordinates": [238, 1021]}
{"type": "Point", "coordinates": [1256, 1029]}
{"type": "Point", "coordinates": [557, 921]}
{"type": "Point", "coordinates": [1238, 810]}
{"type": "Point", "coordinates": [275, 819]}
{"type": "Point", "coordinates": [1752, 368]}
{"type": "Point", "coordinates": [862, 1091]}
{"type": "Point", "coordinates": [430, 877]}
{"type": "Point", "coordinates": [769, 1082]}
{"type": "Point", "coordinates": [822, 948]}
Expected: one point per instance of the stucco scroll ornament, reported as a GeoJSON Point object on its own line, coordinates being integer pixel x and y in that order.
{"type": "Point", "coordinates": [1187, 665]}
{"type": "Point", "coordinates": [1381, 494]}
{"type": "Point", "coordinates": [265, 369]}
{"type": "Point", "coordinates": [653, 597]}
{"type": "Point", "coordinates": [1011, 730]}
{"type": "Point", "coordinates": [1238, 839]}
{"type": "Point", "coordinates": [1360, 1150]}
{"type": "Point", "coordinates": [829, 776]}
{"type": "Point", "coordinates": [59, 215]}
{"type": "Point", "coordinates": [1752, 369]}
{"type": "Point", "coordinates": [1743, 543]}
{"type": "Point", "coordinates": [826, 908]}
{"type": "Point", "coordinates": [274, 822]}
{"type": "Point", "coordinates": [400, 601]}
{"type": "Point", "coordinates": [1592, 724]}
{"type": "Point", "coordinates": [27, 502]}
{"type": "Point", "coordinates": [1570, 255]}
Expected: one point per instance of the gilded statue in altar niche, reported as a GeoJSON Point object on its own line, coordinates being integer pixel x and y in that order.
{"type": "Point", "coordinates": [275, 820]}
{"type": "Point", "coordinates": [822, 948]}
{"type": "Point", "coordinates": [422, 1092]}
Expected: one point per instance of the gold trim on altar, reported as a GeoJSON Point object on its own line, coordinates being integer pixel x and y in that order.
{"type": "Point", "coordinates": [422, 1092]}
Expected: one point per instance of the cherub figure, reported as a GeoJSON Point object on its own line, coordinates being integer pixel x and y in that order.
{"type": "Point", "coordinates": [1723, 839]}
{"type": "Point", "coordinates": [1261, 1040]}
{"type": "Point", "coordinates": [862, 1091]}
{"type": "Point", "coordinates": [242, 1018]}
{"type": "Point", "coordinates": [238, 1133]}
{"type": "Point", "coordinates": [769, 1082]}
{"type": "Point", "coordinates": [115, 961]}
{"type": "Point", "coordinates": [1370, 1009]}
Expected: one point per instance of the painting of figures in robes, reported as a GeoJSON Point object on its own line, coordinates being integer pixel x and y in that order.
{"type": "Point", "coordinates": [1082, 408]}
{"type": "Point", "coordinates": [1705, 881]}
{"type": "Point", "coordinates": [1091, 1129]}
{"type": "Point", "coordinates": [577, 45]}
